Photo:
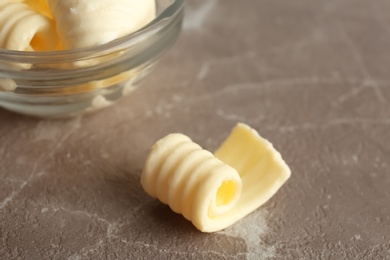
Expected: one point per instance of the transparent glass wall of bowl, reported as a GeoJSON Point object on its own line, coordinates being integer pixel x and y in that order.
{"type": "Point", "coordinates": [74, 82]}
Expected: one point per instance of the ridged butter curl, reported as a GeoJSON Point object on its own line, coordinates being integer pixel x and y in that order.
{"type": "Point", "coordinates": [214, 191]}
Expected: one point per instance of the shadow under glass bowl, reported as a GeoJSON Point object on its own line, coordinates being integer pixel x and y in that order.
{"type": "Point", "coordinates": [74, 82]}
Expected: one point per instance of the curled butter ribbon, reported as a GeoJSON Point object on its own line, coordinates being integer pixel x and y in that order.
{"type": "Point", "coordinates": [214, 191]}
{"type": "Point", "coordinates": [24, 29]}
{"type": "Point", "coordinates": [84, 23]}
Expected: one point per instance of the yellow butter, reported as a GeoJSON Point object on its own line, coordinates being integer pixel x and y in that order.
{"type": "Point", "coordinates": [28, 25]}
{"type": "Point", "coordinates": [84, 23]}
{"type": "Point", "coordinates": [40, 6]}
{"type": "Point", "coordinates": [24, 29]}
{"type": "Point", "coordinates": [214, 191]}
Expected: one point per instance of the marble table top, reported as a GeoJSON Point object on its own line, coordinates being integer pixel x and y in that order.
{"type": "Point", "coordinates": [313, 77]}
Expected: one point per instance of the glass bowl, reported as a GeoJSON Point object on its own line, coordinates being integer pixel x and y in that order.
{"type": "Point", "coordinates": [74, 82]}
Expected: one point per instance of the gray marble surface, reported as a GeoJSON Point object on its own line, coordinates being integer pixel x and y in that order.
{"type": "Point", "coordinates": [311, 76]}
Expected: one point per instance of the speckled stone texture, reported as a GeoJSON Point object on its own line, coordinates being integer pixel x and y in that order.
{"type": "Point", "coordinates": [313, 77]}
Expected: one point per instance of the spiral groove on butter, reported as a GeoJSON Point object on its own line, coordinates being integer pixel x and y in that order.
{"type": "Point", "coordinates": [24, 29]}
{"type": "Point", "coordinates": [214, 191]}
{"type": "Point", "coordinates": [176, 172]}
